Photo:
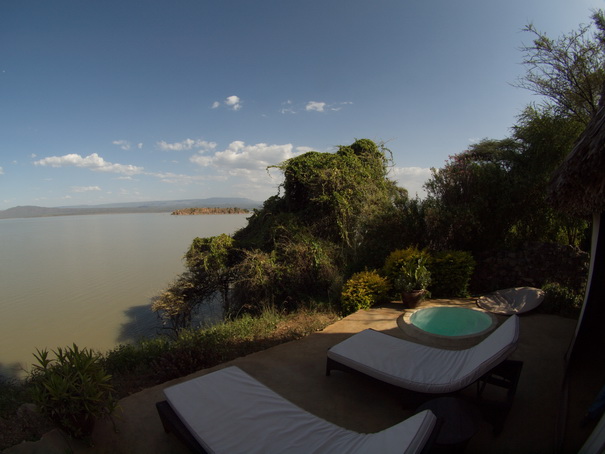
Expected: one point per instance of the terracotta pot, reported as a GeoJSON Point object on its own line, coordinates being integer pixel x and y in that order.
{"type": "Point", "coordinates": [411, 299]}
{"type": "Point", "coordinates": [78, 426]}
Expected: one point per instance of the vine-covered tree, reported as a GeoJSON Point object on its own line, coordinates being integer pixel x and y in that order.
{"type": "Point", "coordinates": [337, 197]}
{"type": "Point", "coordinates": [335, 212]}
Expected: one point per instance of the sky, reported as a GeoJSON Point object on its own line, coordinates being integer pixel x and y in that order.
{"type": "Point", "coordinates": [140, 100]}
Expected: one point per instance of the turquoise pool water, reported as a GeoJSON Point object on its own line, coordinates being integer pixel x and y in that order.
{"type": "Point", "coordinates": [451, 321]}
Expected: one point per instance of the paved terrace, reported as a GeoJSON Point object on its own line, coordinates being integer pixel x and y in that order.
{"type": "Point", "coordinates": [296, 370]}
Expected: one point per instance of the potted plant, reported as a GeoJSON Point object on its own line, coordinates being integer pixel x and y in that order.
{"type": "Point", "coordinates": [412, 281]}
{"type": "Point", "coordinates": [72, 389]}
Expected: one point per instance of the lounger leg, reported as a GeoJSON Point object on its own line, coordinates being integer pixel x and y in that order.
{"type": "Point", "coordinates": [172, 424]}
{"type": "Point", "coordinates": [163, 409]}
{"type": "Point", "coordinates": [506, 375]}
{"type": "Point", "coordinates": [328, 367]}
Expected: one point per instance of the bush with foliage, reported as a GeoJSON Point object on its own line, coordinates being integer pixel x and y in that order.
{"type": "Point", "coordinates": [561, 300]}
{"type": "Point", "coordinates": [451, 272]}
{"type": "Point", "coordinates": [363, 290]}
{"type": "Point", "coordinates": [72, 389]}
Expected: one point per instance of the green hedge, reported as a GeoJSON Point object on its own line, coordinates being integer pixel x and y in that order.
{"type": "Point", "coordinates": [451, 272]}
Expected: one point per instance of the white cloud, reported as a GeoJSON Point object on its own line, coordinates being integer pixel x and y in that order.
{"type": "Point", "coordinates": [140, 145]}
{"type": "Point", "coordinates": [1, 171]}
{"type": "Point", "coordinates": [287, 108]}
{"type": "Point", "coordinates": [178, 178]}
{"type": "Point", "coordinates": [239, 156]}
{"type": "Point", "coordinates": [233, 102]}
{"type": "Point", "coordinates": [123, 144]}
{"type": "Point", "coordinates": [316, 106]}
{"type": "Point", "coordinates": [187, 144]}
{"type": "Point", "coordinates": [85, 188]}
{"type": "Point", "coordinates": [203, 161]}
{"type": "Point", "coordinates": [339, 106]}
{"type": "Point", "coordinates": [302, 150]}
{"type": "Point", "coordinates": [92, 162]}
{"type": "Point", "coordinates": [412, 179]}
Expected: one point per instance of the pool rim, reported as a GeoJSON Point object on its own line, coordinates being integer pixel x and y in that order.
{"type": "Point", "coordinates": [406, 318]}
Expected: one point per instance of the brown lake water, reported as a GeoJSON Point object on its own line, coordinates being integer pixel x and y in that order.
{"type": "Point", "coordinates": [89, 279]}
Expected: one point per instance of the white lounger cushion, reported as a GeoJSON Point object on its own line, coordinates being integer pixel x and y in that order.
{"type": "Point", "coordinates": [421, 368]}
{"type": "Point", "coordinates": [228, 411]}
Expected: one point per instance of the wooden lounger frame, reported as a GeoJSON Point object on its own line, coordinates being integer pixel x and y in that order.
{"type": "Point", "coordinates": [505, 375]}
{"type": "Point", "coordinates": [173, 424]}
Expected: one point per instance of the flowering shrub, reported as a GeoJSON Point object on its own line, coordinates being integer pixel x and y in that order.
{"type": "Point", "coordinates": [363, 290]}
{"type": "Point", "coordinates": [561, 300]}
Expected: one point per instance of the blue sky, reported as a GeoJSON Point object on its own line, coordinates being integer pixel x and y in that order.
{"type": "Point", "coordinates": [121, 101]}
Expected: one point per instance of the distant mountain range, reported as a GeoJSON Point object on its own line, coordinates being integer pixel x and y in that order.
{"type": "Point", "coordinates": [161, 206]}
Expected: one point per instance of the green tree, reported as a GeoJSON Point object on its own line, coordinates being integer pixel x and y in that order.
{"type": "Point", "coordinates": [177, 304]}
{"type": "Point", "coordinates": [210, 272]}
{"type": "Point", "coordinates": [568, 71]}
{"type": "Point", "coordinates": [468, 204]}
{"type": "Point", "coordinates": [210, 261]}
{"type": "Point", "coordinates": [546, 137]}
{"type": "Point", "coordinates": [494, 194]}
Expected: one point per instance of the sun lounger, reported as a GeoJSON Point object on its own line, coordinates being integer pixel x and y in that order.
{"type": "Point", "coordinates": [421, 368]}
{"type": "Point", "coordinates": [228, 411]}
{"type": "Point", "coordinates": [511, 300]}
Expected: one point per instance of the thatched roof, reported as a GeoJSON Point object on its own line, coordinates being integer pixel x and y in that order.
{"type": "Point", "coordinates": [578, 185]}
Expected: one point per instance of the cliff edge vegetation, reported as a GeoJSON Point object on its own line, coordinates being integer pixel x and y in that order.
{"type": "Point", "coordinates": [209, 210]}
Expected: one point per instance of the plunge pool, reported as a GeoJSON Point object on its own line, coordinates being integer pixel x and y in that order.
{"type": "Point", "coordinates": [452, 321]}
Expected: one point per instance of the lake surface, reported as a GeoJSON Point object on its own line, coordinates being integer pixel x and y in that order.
{"type": "Point", "coordinates": [89, 279]}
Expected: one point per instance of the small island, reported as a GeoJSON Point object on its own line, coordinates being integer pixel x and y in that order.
{"type": "Point", "coordinates": [209, 210]}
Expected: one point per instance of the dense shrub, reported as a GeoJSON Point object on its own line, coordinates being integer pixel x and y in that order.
{"type": "Point", "coordinates": [131, 358]}
{"type": "Point", "coordinates": [561, 300]}
{"type": "Point", "coordinates": [451, 272]}
{"type": "Point", "coordinates": [152, 361]}
{"type": "Point", "coordinates": [12, 395]}
{"type": "Point", "coordinates": [363, 290]}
